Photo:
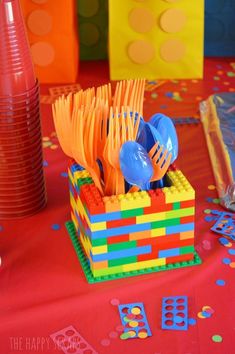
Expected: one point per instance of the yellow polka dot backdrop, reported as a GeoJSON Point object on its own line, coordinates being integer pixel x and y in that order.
{"type": "Point", "coordinates": [155, 39]}
{"type": "Point", "coordinates": [53, 37]}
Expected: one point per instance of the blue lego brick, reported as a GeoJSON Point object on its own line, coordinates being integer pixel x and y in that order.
{"type": "Point", "coordinates": [115, 215]}
{"type": "Point", "coordinates": [169, 253]}
{"type": "Point", "coordinates": [175, 313]}
{"type": "Point", "coordinates": [225, 225]}
{"type": "Point", "coordinates": [134, 321]}
{"type": "Point", "coordinates": [122, 230]}
{"type": "Point", "coordinates": [122, 253]}
{"type": "Point", "coordinates": [179, 228]}
{"type": "Point", "coordinates": [76, 167]}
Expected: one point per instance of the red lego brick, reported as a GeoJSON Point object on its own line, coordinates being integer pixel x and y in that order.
{"type": "Point", "coordinates": [167, 242]}
{"type": "Point", "coordinates": [187, 204]}
{"type": "Point", "coordinates": [187, 219]}
{"type": "Point", "coordinates": [92, 198]}
{"type": "Point", "coordinates": [182, 258]}
{"type": "Point", "coordinates": [172, 167]}
{"type": "Point", "coordinates": [121, 222]}
{"type": "Point", "coordinates": [158, 202]}
{"type": "Point", "coordinates": [117, 239]}
{"type": "Point", "coordinates": [147, 257]}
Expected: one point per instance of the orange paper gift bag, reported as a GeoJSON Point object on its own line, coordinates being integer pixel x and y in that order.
{"type": "Point", "coordinates": [52, 32]}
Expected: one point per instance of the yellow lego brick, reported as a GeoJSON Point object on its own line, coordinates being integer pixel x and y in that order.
{"type": "Point", "coordinates": [72, 202]}
{"type": "Point", "coordinates": [98, 226]}
{"type": "Point", "coordinates": [145, 264]}
{"type": "Point", "coordinates": [186, 235]}
{"type": "Point", "coordinates": [172, 195]}
{"type": "Point", "coordinates": [81, 174]}
{"type": "Point", "coordinates": [158, 232]}
{"type": "Point", "coordinates": [99, 250]}
{"type": "Point", "coordinates": [134, 200]}
{"type": "Point", "coordinates": [112, 204]}
{"type": "Point", "coordinates": [150, 217]}
{"type": "Point", "coordinates": [139, 235]}
{"type": "Point", "coordinates": [74, 220]}
{"type": "Point", "coordinates": [86, 245]}
{"type": "Point", "coordinates": [81, 210]}
{"type": "Point", "coordinates": [171, 214]}
{"type": "Point", "coordinates": [71, 177]}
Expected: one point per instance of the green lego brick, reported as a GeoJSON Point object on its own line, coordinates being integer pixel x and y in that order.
{"type": "Point", "coordinates": [176, 205]}
{"type": "Point", "coordinates": [99, 242]}
{"type": "Point", "coordinates": [91, 279]}
{"type": "Point", "coordinates": [180, 213]}
{"type": "Point", "coordinates": [132, 212]}
{"type": "Point", "coordinates": [122, 246]}
{"type": "Point", "coordinates": [121, 261]}
{"type": "Point", "coordinates": [186, 249]}
{"type": "Point", "coordinates": [164, 223]}
{"type": "Point", "coordinates": [82, 181]}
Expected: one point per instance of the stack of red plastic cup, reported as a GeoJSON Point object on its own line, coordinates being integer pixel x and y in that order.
{"type": "Point", "coordinates": [22, 184]}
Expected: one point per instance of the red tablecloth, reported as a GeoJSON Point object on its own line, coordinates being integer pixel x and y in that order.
{"type": "Point", "coordinates": [42, 285]}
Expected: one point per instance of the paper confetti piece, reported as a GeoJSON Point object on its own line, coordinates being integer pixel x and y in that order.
{"type": "Point", "coordinates": [217, 338]}
{"type": "Point", "coordinates": [206, 312]}
{"type": "Point", "coordinates": [69, 340]}
{"type": "Point", "coordinates": [152, 85]}
{"type": "Point", "coordinates": [134, 320]}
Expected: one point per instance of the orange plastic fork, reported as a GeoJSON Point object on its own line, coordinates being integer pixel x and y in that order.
{"type": "Point", "coordinates": [160, 163]}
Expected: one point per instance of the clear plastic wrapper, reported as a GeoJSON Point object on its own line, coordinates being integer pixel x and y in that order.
{"type": "Point", "coordinates": [218, 118]}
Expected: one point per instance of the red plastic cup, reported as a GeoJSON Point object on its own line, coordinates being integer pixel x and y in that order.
{"type": "Point", "coordinates": [23, 212]}
{"type": "Point", "coordinates": [22, 198]}
{"type": "Point", "coordinates": [16, 67]}
{"type": "Point", "coordinates": [22, 97]}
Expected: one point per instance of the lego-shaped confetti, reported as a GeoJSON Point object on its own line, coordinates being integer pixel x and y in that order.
{"type": "Point", "coordinates": [69, 340]}
{"type": "Point", "coordinates": [134, 321]}
{"type": "Point", "coordinates": [64, 90]}
{"type": "Point", "coordinates": [225, 225]}
{"type": "Point", "coordinates": [175, 313]}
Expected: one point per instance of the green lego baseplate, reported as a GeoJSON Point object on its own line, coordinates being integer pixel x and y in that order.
{"type": "Point", "coordinates": [91, 279]}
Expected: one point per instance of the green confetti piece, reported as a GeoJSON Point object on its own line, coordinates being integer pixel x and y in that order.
{"type": "Point", "coordinates": [207, 211]}
{"type": "Point", "coordinates": [230, 74]}
{"type": "Point", "coordinates": [216, 201]}
{"type": "Point", "coordinates": [217, 338]}
{"type": "Point", "coordinates": [124, 335]}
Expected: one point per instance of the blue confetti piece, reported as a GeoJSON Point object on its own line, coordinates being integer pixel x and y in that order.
{"type": "Point", "coordinates": [45, 163]}
{"type": "Point", "coordinates": [223, 241]}
{"type": "Point", "coordinates": [209, 218]}
{"type": "Point", "coordinates": [163, 106]}
{"type": "Point", "coordinates": [210, 200]}
{"type": "Point", "coordinates": [226, 260]}
{"type": "Point", "coordinates": [1, 228]}
{"type": "Point", "coordinates": [178, 319]}
{"type": "Point", "coordinates": [206, 314]}
{"type": "Point", "coordinates": [220, 282]}
{"type": "Point", "coordinates": [215, 89]}
{"type": "Point", "coordinates": [192, 321]}
{"type": "Point", "coordinates": [55, 227]}
{"type": "Point", "coordinates": [64, 174]}
{"type": "Point", "coordinates": [169, 94]}
{"type": "Point", "coordinates": [232, 252]}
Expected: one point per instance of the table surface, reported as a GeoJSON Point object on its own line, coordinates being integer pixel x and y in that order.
{"type": "Point", "coordinates": [42, 285]}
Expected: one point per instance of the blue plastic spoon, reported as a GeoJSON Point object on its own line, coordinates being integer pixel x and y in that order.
{"type": "Point", "coordinates": [148, 136]}
{"type": "Point", "coordinates": [136, 165]}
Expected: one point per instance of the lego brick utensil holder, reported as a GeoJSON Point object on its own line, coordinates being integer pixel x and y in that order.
{"type": "Point", "coordinates": [133, 233]}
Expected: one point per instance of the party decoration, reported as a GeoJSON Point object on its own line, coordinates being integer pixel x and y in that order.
{"type": "Point", "coordinates": [153, 39]}
{"type": "Point", "coordinates": [69, 340]}
{"type": "Point", "coordinates": [134, 321]}
{"type": "Point", "coordinates": [53, 41]}
{"type": "Point", "coordinates": [93, 29]}
{"type": "Point", "coordinates": [219, 28]}
{"type": "Point", "coordinates": [175, 313]}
